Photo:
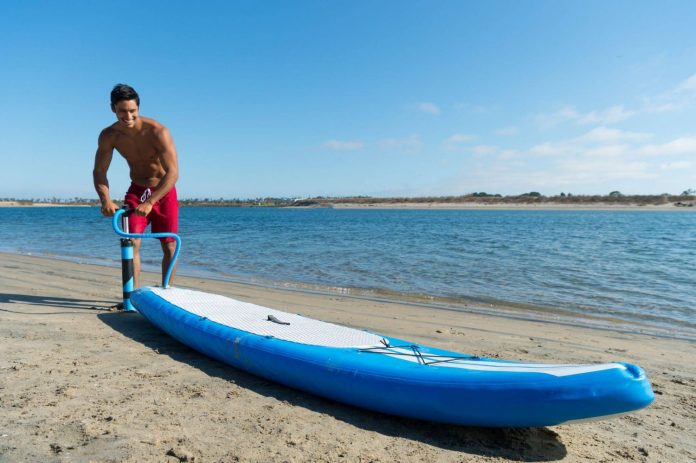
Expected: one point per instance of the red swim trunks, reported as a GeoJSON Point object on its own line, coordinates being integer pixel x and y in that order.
{"type": "Point", "coordinates": [164, 216]}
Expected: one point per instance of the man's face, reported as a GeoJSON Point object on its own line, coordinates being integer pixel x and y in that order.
{"type": "Point", "coordinates": [126, 112]}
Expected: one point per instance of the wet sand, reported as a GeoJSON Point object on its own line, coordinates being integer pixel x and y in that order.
{"type": "Point", "coordinates": [81, 383]}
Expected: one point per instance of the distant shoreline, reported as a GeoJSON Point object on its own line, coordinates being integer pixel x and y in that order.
{"type": "Point", "coordinates": [614, 201]}
{"type": "Point", "coordinates": [413, 205]}
{"type": "Point", "coordinates": [24, 204]}
{"type": "Point", "coordinates": [516, 206]}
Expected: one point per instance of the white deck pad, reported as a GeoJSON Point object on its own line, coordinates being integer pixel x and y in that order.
{"type": "Point", "coordinates": [254, 319]}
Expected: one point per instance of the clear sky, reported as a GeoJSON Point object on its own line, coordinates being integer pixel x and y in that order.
{"type": "Point", "coordinates": [333, 98]}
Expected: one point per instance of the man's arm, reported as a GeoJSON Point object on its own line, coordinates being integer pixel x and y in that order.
{"type": "Point", "coordinates": [170, 163]}
{"type": "Point", "coordinates": [102, 161]}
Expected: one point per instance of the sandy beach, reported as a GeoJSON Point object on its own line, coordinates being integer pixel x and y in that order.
{"type": "Point", "coordinates": [79, 382]}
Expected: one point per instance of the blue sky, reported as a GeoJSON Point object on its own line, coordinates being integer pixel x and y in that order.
{"type": "Point", "coordinates": [382, 98]}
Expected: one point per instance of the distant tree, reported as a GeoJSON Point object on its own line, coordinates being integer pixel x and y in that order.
{"type": "Point", "coordinates": [563, 195]}
{"type": "Point", "coordinates": [536, 194]}
{"type": "Point", "coordinates": [615, 194]}
{"type": "Point", "coordinates": [485, 195]}
{"type": "Point", "coordinates": [689, 192]}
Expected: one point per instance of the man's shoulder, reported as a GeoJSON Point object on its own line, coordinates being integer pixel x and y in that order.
{"type": "Point", "coordinates": [154, 127]}
{"type": "Point", "coordinates": [152, 124]}
{"type": "Point", "coordinates": [109, 133]}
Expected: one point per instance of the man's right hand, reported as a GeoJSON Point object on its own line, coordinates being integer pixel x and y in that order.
{"type": "Point", "coordinates": [109, 208]}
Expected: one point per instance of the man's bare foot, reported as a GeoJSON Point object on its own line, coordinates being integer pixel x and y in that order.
{"type": "Point", "coordinates": [116, 308]}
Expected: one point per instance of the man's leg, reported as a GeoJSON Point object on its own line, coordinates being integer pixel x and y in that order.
{"type": "Point", "coordinates": [136, 262]}
{"type": "Point", "coordinates": [167, 256]}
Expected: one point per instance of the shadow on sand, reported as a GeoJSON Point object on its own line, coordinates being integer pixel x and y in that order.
{"type": "Point", "coordinates": [77, 305]}
{"type": "Point", "coordinates": [524, 444]}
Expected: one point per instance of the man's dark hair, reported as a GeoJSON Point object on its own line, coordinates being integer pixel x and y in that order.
{"type": "Point", "coordinates": [123, 92]}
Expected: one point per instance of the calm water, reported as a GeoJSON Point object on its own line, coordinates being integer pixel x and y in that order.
{"type": "Point", "coordinates": [634, 267]}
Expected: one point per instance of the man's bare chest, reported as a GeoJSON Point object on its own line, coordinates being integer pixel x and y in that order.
{"type": "Point", "coordinates": [136, 148]}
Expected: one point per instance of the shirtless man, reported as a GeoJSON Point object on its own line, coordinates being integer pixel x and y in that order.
{"type": "Point", "coordinates": [149, 150]}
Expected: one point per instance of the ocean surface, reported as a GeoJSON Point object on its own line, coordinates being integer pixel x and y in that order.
{"type": "Point", "coordinates": [628, 270]}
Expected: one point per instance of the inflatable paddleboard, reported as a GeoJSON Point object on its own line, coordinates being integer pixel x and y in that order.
{"type": "Point", "coordinates": [389, 375]}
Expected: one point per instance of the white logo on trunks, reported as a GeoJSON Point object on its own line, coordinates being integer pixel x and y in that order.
{"type": "Point", "coordinates": [146, 195]}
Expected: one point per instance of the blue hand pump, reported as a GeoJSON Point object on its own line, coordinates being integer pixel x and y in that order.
{"type": "Point", "coordinates": [127, 254]}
